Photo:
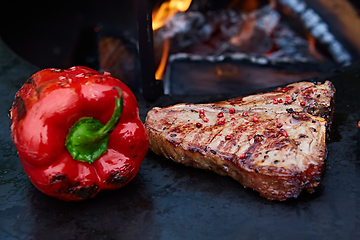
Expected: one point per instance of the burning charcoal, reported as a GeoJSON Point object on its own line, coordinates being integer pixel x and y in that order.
{"type": "Point", "coordinates": [225, 24]}
{"type": "Point", "coordinates": [220, 32]}
{"type": "Point", "coordinates": [267, 19]}
{"type": "Point", "coordinates": [290, 45]}
{"type": "Point", "coordinates": [255, 35]}
{"type": "Point", "coordinates": [318, 29]}
{"type": "Point", "coordinates": [186, 29]}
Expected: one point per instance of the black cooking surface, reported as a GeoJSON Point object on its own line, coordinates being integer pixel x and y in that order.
{"type": "Point", "coordinates": [169, 201]}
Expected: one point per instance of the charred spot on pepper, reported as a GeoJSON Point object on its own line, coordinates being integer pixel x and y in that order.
{"type": "Point", "coordinates": [84, 192]}
{"type": "Point", "coordinates": [57, 178]}
{"type": "Point", "coordinates": [117, 178]}
{"type": "Point", "coordinates": [38, 91]}
{"type": "Point", "coordinates": [20, 108]}
{"type": "Point", "coordinates": [30, 81]}
{"type": "Point", "coordinates": [67, 187]}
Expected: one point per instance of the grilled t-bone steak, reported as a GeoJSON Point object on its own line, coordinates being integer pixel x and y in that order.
{"type": "Point", "coordinates": [274, 142]}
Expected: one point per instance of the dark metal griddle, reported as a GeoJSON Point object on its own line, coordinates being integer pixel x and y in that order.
{"type": "Point", "coordinates": [170, 201]}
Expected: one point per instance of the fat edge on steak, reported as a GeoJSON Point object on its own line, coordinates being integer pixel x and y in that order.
{"type": "Point", "coordinates": [274, 142]}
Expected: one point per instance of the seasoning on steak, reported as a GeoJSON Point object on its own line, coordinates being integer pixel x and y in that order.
{"type": "Point", "coordinates": [274, 142]}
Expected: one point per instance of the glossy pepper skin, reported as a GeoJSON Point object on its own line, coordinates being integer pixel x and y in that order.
{"type": "Point", "coordinates": [44, 111]}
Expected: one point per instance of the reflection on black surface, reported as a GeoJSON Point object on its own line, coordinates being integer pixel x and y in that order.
{"type": "Point", "coordinates": [109, 215]}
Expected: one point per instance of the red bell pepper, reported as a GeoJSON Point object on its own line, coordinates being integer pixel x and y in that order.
{"type": "Point", "coordinates": [77, 132]}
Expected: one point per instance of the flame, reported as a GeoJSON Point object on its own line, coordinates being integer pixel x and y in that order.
{"type": "Point", "coordinates": [160, 17]}
{"type": "Point", "coordinates": [160, 71]}
{"type": "Point", "coordinates": [167, 10]}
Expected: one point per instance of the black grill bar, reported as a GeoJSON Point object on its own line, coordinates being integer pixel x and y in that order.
{"type": "Point", "coordinates": [152, 89]}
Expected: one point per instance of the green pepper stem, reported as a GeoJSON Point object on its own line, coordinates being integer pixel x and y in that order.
{"type": "Point", "coordinates": [88, 138]}
{"type": "Point", "coordinates": [111, 124]}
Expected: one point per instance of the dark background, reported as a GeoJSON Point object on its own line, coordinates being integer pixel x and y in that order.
{"type": "Point", "coordinates": [61, 33]}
